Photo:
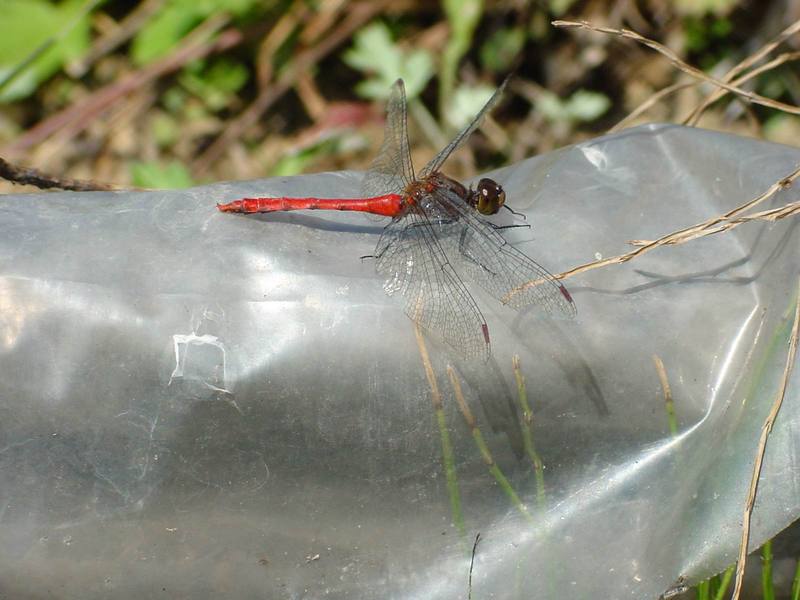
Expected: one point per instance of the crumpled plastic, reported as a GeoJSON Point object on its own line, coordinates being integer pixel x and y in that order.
{"type": "Point", "coordinates": [201, 404]}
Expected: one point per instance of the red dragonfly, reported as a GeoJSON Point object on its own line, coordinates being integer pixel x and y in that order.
{"type": "Point", "coordinates": [436, 237]}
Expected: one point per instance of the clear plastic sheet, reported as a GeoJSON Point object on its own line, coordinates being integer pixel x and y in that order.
{"type": "Point", "coordinates": [195, 404]}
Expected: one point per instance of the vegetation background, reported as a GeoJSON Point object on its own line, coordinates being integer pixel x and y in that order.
{"type": "Point", "coordinates": [171, 93]}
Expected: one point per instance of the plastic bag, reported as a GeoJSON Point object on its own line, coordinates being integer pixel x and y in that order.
{"type": "Point", "coordinates": [198, 404]}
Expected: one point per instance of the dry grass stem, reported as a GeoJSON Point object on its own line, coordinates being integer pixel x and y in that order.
{"type": "Point", "coordinates": [644, 106]}
{"type": "Point", "coordinates": [718, 224]}
{"type": "Point", "coordinates": [766, 429]}
{"type": "Point", "coordinates": [694, 117]}
{"type": "Point", "coordinates": [126, 29]}
{"type": "Point", "coordinates": [744, 65]}
{"type": "Point", "coordinates": [469, 418]}
{"type": "Point", "coordinates": [436, 396]}
{"type": "Point", "coordinates": [669, 404]}
{"type": "Point", "coordinates": [686, 68]}
{"type": "Point", "coordinates": [662, 377]}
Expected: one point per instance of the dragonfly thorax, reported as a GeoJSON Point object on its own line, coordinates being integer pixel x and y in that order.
{"type": "Point", "coordinates": [487, 198]}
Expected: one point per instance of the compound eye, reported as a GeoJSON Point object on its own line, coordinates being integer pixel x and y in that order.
{"type": "Point", "coordinates": [490, 196]}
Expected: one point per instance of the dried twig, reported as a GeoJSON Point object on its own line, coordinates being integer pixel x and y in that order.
{"type": "Point", "coordinates": [716, 95]}
{"type": "Point", "coordinates": [650, 102]}
{"type": "Point", "coordinates": [278, 35]}
{"type": "Point", "coordinates": [358, 14]}
{"type": "Point", "coordinates": [695, 115]}
{"type": "Point", "coordinates": [26, 176]}
{"type": "Point", "coordinates": [675, 60]}
{"type": "Point", "coordinates": [668, 401]}
{"type": "Point", "coordinates": [766, 429]}
{"type": "Point", "coordinates": [743, 66]}
{"type": "Point", "coordinates": [126, 29]}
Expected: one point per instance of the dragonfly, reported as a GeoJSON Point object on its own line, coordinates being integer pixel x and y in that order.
{"type": "Point", "coordinates": [437, 237]}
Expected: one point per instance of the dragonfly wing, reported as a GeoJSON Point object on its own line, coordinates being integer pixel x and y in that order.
{"type": "Point", "coordinates": [416, 267]}
{"type": "Point", "coordinates": [498, 267]}
{"type": "Point", "coordinates": [391, 170]}
{"type": "Point", "coordinates": [438, 160]}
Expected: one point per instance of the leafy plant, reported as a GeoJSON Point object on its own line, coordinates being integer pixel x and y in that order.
{"type": "Point", "coordinates": [177, 18]}
{"type": "Point", "coordinates": [374, 52]}
{"type": "Point", "coordinates": [583, 105]}
{"type": "Point", "coordinates": [217, 83]}
{"type": "Point", "coordinates": [466, 102]}
{"type": "Point", "coordinates": [173, 175]}
{"type": "Point", "coordinates": [26, 27]}
{"type": "Point", "coordinates": [463, 17]}
{"type": "Point", "coordinates": [502, 48]}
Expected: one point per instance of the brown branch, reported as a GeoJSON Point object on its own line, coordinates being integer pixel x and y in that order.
{"type": "Point", "coordinates": [126, 29]}
{"type": "Point", "coordinates": [26, 176]}
{"type": "Point", "coordinates": [79, 115]}
{"type": "Point", "coordinates": [358, 14]}
{"type": "Point", "coordinates": [766, 429]}
{"type": "Point", "coordinates": [686, 68]}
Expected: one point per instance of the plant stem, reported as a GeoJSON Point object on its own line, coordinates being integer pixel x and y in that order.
{"type": "Point", "coordinates": [767, 588]}
{"type": "Point", "coordinates": [527, 431]}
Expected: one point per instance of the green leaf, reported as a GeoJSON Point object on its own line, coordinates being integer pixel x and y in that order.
{"type": "Point", "coordinates": [559, 7]}
{"type": "Point", "coordinates": [583, 105]}
{"type": "Point", "coordinates": [463, 16]}
{"type": "Point", "coordinates": [466, 103]}
{"type": "Point", "coordinates": [297, 162]}
{"type": "Point", "coordinates": [373, 50]}
{"type": "Point", "coordinates": [164, 31]}
{"type": "Point", "coordinates": [154, 175]}
{"type": "Point", "coordinates": [27, 24]}
{"type": "Point", "coordinates": [216, 84]}
{"type": "Point", "coordinates": [702, 7]}
{"type": "Point", "coordinates": [501, 49]}
{"type": "Point", "coordinates": [375, 53]}
{"type": "Point", "coordinates": [177, 18]}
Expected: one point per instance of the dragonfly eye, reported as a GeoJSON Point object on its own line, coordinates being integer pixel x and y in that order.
{"type": "Point", "coordinates": [489, 196]}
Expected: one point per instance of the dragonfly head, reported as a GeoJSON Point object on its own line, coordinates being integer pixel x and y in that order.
{"type": "Point", "coordinates": [488, 197]}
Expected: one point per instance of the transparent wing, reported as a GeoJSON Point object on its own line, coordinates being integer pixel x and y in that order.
{"type": "Point", "coordinates": [391, 170]}
{"type": "Point", "coordinates": [415, 266]}
{"type": "Point", "coordinates": [439, 159]}
{"type": "Point", "coordinates": [506, 273]}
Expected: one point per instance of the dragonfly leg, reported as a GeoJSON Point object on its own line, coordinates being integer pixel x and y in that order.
{"type": "Point", "coordinates": [515, 213]}
{"type": "Point", "coordinates": [501, 227]}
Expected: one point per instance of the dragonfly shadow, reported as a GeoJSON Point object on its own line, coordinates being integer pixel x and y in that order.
{"type": "Point", "coordinates": [710, 275]}
{"type": "Point", "coordinates": [321, 223]}
{"type": "Point", "coordinates": [486, 380]}
{"type": "Point", "coordinates": [569, 359]}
